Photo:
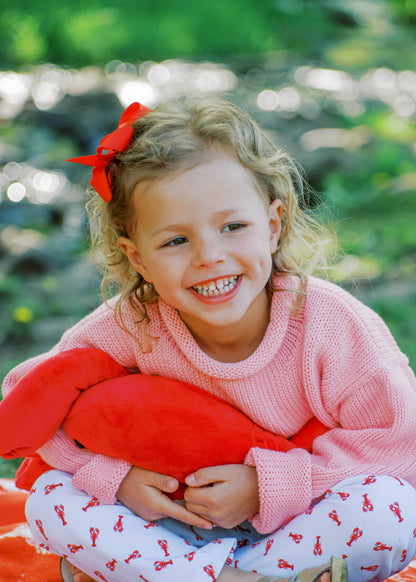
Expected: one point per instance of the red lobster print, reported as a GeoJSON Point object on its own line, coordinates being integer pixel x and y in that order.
{"type": "Point", "coordinates": [367, 505]}
{"type": "Point", "coordinates": [334, 516]}
{"type": "Point", "coordinates": [151, 524]}
{"type": "Point", "coordinates": [396, 510]}
{"type": "Point", "coordinates": [190, 556]}
{"type": "Point", "coordinates": [370, 479]}
{"type": "Point", "coordinates": [159, 565]}
{"type": "Point", "coordinates": [60, 510]}
{"type": "Point", "coordinates": [283, 565]}
{"type": "Point", "coordinates": [118, 526]}
{"type": "Point", "coordinates": [99, 575]}
{"type": "Point", "coordinates": [92, 503]}
{"type": "Point", "coordinates": [164, 545]}
{"type": "Point", "coordinates": [210, 571]}
{"type": "Point", "coordinates": [94, 531]}
{"type": "Point", "coordinates": [369, 568]}
{"type": "Point", "coordinates": [269, 544]}
{"type": "Point", "coordinates": [343, 496]}
{"type": "Point", "coordinates": [404, 555]}
{"type": "Point", "coordinates": [145, 579]}
{"type": "Point", "coordinates": [49, 488]}
{"type": "Point", "coordinates": [40, 528]}
{"type": "Point", "coordinates": [296, 537]}
{"type": "Point", "coordinates": [399, 480]}
{"type": "Point", "coordinates": [112, 565]}
{"type": "Point", "coordinates": [317, 550]}
{"type": "Point", "coordinates": [378, 547]}
{"type": "Point", "coordinates": [74, 549]}
{"type": "Point", "coordinates": [356, 533]}
{"type": "Point", "coordinates": [133, 556]}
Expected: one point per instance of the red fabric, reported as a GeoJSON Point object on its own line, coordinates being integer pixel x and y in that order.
{"type": "Point", "coordinates": [33, 411]}
{"type": "Point", "coordinates": [31, 468]}
{"type": "Point", "coordinates": [115, 142]}
{"type": "Point", "coordinates": [157, 423]}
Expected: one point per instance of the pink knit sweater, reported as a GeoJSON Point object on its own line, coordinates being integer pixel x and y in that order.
{"type": "Point", "coordinates": [336, 360]}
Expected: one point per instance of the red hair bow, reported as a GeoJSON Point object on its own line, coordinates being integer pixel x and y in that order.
{"type": "Point", "coordinates": [113, 143]}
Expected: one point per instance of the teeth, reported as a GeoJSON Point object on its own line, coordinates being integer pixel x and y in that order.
{"type": "Point", "coordinates": [219, 287]}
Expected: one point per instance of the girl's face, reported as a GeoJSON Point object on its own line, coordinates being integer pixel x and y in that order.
{"type": "Point", "coordinates": [204, 238]}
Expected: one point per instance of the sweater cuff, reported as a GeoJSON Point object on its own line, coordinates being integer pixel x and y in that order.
{"type": "Point", "coordinates": [96, 474]}
{"type": "Point", "coordinates": [284, 486]}
{"type": "Point", "coordinates": [101, 477]}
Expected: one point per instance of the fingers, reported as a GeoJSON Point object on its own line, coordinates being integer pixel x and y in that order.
{"type": "Point", "coordinates": [161, 482]}
{"type": "Point", "coordinates": [202, 510]}
{"type": "Point", "coordinates": [138, 476]}
{"type": "Point", "coordinates": [166, 507]}
{"type": "Point", "coordinates": [207, 476]}
{"type": "Point", "coordinates": [144, 492]}
{"type": "Point", "coordinates": [201, 493]}
{"type": "Point", "coordinates": [202, 501]}
{"type": "Point", "coordinates": [169, 508]}
{"type": "Point", "coordinates": [181, 513]}
{"type": "Point", "coordinates": [225, 495]}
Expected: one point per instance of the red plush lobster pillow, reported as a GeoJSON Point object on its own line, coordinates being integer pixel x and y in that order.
{"type": "Point", "coordinates": [156, 423]}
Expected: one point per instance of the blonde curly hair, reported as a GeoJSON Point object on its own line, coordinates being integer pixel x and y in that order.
{"type": "Point", "coordinates": [178, 136]}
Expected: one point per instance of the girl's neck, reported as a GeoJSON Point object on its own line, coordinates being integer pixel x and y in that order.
{"type": "Point", "coordinates": [238, 342]}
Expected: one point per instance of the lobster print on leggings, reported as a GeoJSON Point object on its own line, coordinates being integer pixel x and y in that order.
{"type": "Point", "coordinates": [368, 520]}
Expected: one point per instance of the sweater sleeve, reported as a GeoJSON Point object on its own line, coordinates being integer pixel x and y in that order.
{"type": "Point", "coordinates": [96, 474]}
{"type": "Point", "coordinates": [360, 385]}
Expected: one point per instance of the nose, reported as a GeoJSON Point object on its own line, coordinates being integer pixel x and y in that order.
{"type": "Point", "coordinates": [208, 252]}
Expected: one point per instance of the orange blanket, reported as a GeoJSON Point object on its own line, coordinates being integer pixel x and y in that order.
{"type": "Point", "coordinates": [21, 559]}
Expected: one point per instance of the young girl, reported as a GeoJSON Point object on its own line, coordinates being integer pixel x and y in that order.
{"type": "Point", "coordinates": [199, 219]}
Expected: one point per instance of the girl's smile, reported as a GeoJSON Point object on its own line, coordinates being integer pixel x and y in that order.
{"type": "Point", "coordinates": [204, 239]}
{"type": "Point", "coordinates": [220, 288]}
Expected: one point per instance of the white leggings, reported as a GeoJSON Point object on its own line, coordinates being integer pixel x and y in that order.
{"type": "Point", "coordinates": [368, 520]}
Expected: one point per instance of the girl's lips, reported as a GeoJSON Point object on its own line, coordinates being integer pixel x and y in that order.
{"type": "Point", "coordinates": [217, 290]}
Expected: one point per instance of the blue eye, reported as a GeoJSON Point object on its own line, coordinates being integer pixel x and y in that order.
{"type": "Point", "coordinates": [233, 226]}
{"type": "Point", "coordinates": [174, 242]}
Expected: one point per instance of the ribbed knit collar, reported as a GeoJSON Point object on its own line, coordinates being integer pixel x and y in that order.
{"type": "Point", "coordinates": [266, 351]}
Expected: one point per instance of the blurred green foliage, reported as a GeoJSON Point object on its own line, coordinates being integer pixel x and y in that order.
{"type": "Point", "coordinates": [78, 33]}
{"type": "Point", "coordinates": [8, 468]}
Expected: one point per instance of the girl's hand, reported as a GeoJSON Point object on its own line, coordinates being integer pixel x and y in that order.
{"type": "Point", "coordinates": [143, 492]}
{"type": "Point", "coordinates": [226, 495]}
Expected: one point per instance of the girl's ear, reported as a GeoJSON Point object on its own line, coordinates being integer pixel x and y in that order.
{"type": "Point", "coordinates": [275, 223]}
{"type": "Point", "coordinates": [128, 248]}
